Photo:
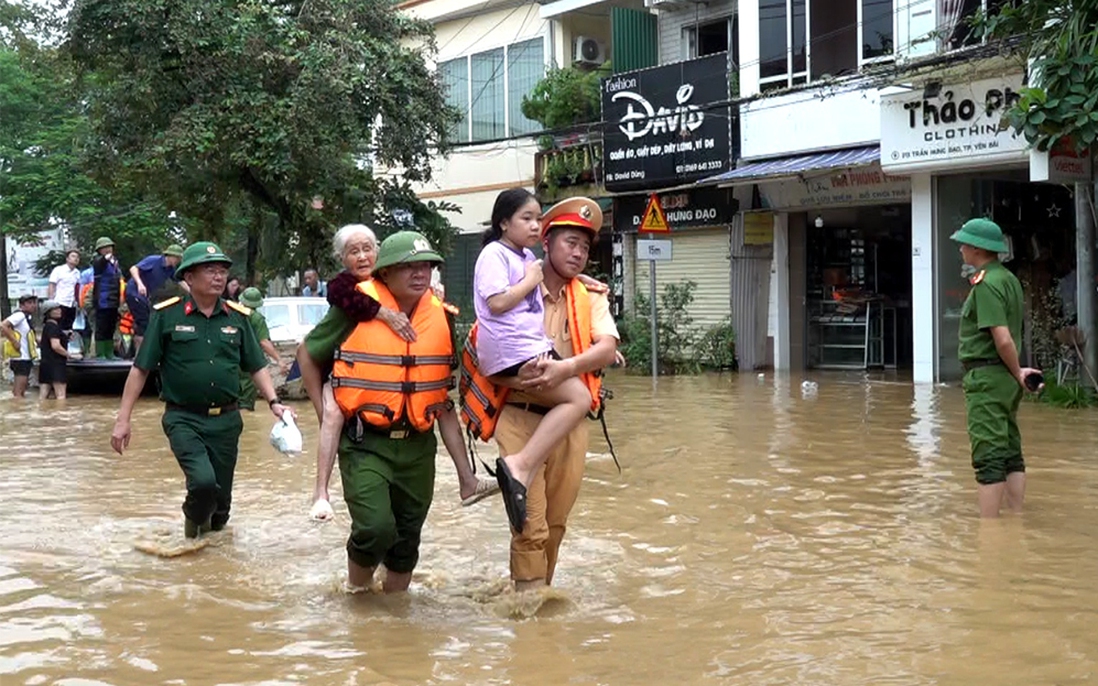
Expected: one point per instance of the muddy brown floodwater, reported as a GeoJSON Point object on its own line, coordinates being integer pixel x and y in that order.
{"type": "Point", "coordinates": [757, 536]}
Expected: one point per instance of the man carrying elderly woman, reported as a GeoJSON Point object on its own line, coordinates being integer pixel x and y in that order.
{"type": "Point", "coordinates": [388, 345]}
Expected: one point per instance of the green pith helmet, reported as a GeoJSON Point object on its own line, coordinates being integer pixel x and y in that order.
{"type": "Point", "coordinates": [173, 250]}
{"type": "Point", "coordinates": [403, 247]}
{"type": "Point", "coordinates": [202, 252]}
{"type": "Point", "coordinates": [251, 297]}
{"type": "Point", "coordinates": [981, 233]}
{"type": "Point", "coordinates": [103, 242]}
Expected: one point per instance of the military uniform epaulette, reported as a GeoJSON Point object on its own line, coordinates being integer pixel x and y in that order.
{"type": "Point", "coordinates": [977, 277]}
{"type": "Point", "coordinates": [174, 300]}
{"type": "Point", "coordinates": [242, 309]}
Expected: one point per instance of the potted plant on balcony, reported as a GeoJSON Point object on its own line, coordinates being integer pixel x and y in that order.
{"type": "Point", "coordinates": [563, 102]}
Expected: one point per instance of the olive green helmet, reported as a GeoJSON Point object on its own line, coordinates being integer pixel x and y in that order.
{"type": "Point", "coordinates": [103, 242]}
{"type": "Point", "coordinates": [202, 252]}
{"type": "Point", "coordinates": [403, 247]}
{"type": "Point", "coordinates": [981, 233]}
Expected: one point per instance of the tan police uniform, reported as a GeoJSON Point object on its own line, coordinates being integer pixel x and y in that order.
{"type": "Point", "coordinates": [553, 492]}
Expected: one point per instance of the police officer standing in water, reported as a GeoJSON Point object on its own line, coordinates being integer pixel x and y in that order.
{"type": "Point", "coordinates": [990, 336]}
{"type": "Point", "coordinates": [199, 343]}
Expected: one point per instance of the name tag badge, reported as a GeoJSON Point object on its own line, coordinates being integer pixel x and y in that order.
{"type": "Point", "coordinates": [184, 327]}
{"type": "Point", "coordinates": [228, 329]}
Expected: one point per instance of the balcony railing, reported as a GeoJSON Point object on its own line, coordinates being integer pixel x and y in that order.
{"type": "Point", "coordinates": [573, 166]}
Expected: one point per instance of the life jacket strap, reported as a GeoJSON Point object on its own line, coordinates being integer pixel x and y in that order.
{"type": "Point", "coordinates": [405, 387]}
{"type": "Point", "coordinates": [395, 360]}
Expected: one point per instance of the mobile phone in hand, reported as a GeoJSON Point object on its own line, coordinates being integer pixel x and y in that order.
{"type": "Point", "coordinates": [1034, 381]}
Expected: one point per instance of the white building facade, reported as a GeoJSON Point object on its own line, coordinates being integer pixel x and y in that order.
{"type": "Point", "coordinates": [870, 133]}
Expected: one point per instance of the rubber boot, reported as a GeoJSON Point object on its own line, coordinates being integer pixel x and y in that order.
{"type": "Point", "coordinates": [104, 350]}
{"type": "Point", "coordinates": [194, 529]}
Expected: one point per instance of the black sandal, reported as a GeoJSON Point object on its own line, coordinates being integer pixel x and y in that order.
{"type": "Point", "coordinates": [514, 495]}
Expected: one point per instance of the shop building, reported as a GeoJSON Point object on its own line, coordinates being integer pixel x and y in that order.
{"type": "Point", "coordinates": [947, 138]}
{"type": "Point", "coordinates": [665, 128]}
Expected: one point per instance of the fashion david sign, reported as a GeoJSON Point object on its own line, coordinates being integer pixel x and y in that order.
{"type": "Point", "coordinates": [666, 125]}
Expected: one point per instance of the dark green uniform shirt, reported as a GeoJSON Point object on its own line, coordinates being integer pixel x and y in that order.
{"type": "Point", "coordinates": [248, 391]}
{"type": "Point", "coordinates": [996, 300]}
{"type": "Point", "coordinates": [321, 342]}
{"type": "Point", "coordinates": [200, 357]}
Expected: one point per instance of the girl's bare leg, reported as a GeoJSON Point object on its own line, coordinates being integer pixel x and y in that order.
{"type": "Point", "coordinates": [570, 402]}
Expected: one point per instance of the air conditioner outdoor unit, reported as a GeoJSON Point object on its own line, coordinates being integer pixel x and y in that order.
{"type": "Point", "coordinates": [588, 51]}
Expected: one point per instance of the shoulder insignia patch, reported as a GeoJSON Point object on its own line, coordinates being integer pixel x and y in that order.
{"type": "Point", "coordinates": [977, 277]}
{"type": "Point", "coordinates": [452, 309]}
{"type": "Point", "coordinates": [242, 309]}
{"type": "Point", "coordinates": [175, 300]}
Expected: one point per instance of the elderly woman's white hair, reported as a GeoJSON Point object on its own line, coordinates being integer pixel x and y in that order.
{"type": "Point", "coordinates": [344, 235]}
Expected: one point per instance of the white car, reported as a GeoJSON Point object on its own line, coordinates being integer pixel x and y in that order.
{"type": "Point", "coordinates": [290, 318]}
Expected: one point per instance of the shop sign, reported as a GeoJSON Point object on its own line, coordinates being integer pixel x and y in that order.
{"type": "Point", "coordinates": [685, 209]}
{"type": "Point", "coordinates": [758, 228]}
{"type": "Point", "coordinates": [1060, 164]}
{"type": "Point", "coordinates": [667, 125]}
{"type": "Point", "coordinates": [962, 126]}
{"type": "Point", "coordinates": [867, 185]}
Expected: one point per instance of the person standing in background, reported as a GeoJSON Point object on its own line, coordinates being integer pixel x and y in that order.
{"type": "Point", "coordinates": [148, 279]}
{"type": "Point", "coordinates": [53, 369]}
{"type": "Point", "coordinates": [233, 288]}
{"type": "Point", "coordinates": [19, 345]}
{"type": "Point", "coordinates": [313, 287]}
{"type": "Point", "coordinates": [253, 300]}
{"type": "Point", "coordinates": [64, 287]}
{"type": "Point", "coordinates": [107, 296]}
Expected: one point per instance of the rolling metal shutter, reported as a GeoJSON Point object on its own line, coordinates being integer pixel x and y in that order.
{"type": "Point", "coordinates": [701, 256]}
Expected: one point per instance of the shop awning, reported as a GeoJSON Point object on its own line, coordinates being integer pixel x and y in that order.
{"type": "Point", "coordinates": [784, 167]}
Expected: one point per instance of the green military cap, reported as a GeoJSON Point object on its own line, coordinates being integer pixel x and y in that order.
{"type": "Point", "coordinates": [403, 247]}
{"type": "Point", "coordinates": [203, 252]}
{"type": "Point", "coordinates": [103, 242]}
{"type": "Point", "coordinates": [251, 297]}
{"type": "Point", "coordinates": [173, 250]}
{"type": "Point", "coordinates": [981, 233]}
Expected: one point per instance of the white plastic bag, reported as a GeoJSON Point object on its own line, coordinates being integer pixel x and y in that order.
{"type": "Point", "coordinates": [285, 436]}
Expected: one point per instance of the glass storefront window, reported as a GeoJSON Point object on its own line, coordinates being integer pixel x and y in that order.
{"type": "Point", "coordinates": [1038, 222]}
{"type": "Point", "coordinates": [956, 204]}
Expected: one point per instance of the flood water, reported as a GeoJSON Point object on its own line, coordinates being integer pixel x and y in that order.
{"type": "Point", "coordinates": [756, 536]}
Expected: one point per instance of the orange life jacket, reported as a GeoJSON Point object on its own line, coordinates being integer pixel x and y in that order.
{"type": "Point", "coordinates": [383, 378]}
{"type": "Point", "coordinates": [88, 287]}
{"type": "Point", "coordinates": [125, 324]}
{"type": "Point", "coordinates": [482, 401]}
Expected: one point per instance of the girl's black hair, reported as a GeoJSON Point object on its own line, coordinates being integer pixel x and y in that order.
{"type": "Point", "coordinates": [507, 204]}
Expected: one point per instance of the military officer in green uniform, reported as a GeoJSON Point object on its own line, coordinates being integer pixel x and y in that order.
{"type": "Point", "coordinates": [253, 300]}
{"type": "Point", "coordinates": [200, 343]}
{"type": "Point", "coordinates": [990, 336]}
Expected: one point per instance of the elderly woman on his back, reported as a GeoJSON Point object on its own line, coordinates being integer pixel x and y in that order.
{"type": "Point", "coordinates": [356, 247]}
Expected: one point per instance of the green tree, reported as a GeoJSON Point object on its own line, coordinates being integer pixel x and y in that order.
{"type": "Point", "coordinates": [42, 181]}
{"type": "Point", "coordinates": [1060, 39]}
{"type": "Point", "coordinates": [261, 115]}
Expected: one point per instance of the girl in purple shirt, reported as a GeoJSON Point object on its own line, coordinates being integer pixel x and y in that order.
{"type": "Point", "coordinates": [511, 319]}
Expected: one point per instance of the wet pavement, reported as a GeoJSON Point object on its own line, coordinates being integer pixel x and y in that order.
{"type": "Point", "coordinates": [757, 536]}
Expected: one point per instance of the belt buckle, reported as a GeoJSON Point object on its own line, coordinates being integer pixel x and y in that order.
{"type": "Point", "coordinates": [213, 411]}
{"type": "Point", "coordinates": [398, 434]}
